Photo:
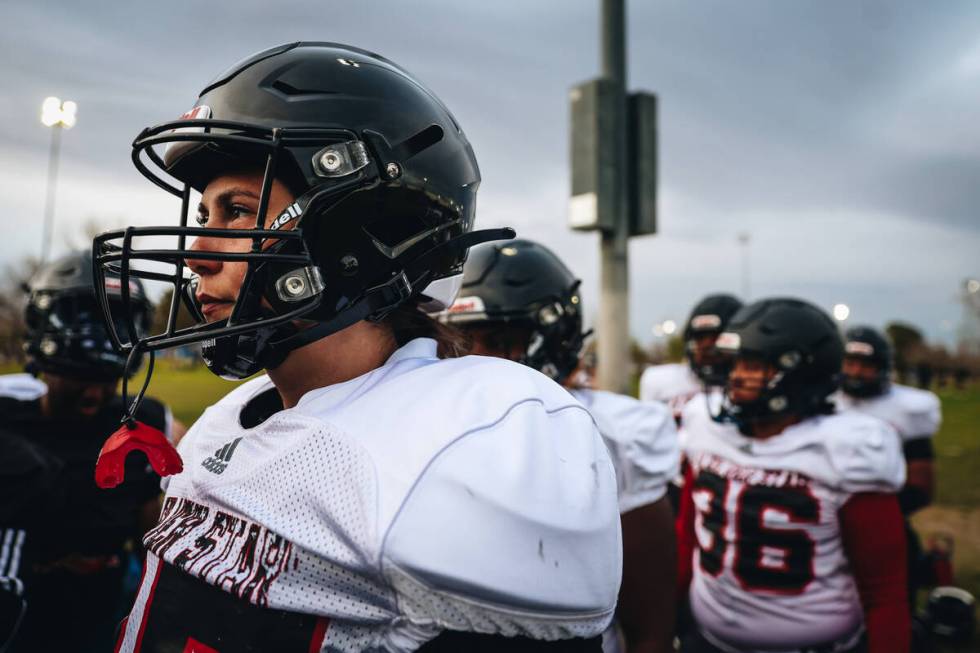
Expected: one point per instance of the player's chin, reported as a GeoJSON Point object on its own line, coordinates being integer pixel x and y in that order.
{"type": "Point", "coordinates": [739, 396]}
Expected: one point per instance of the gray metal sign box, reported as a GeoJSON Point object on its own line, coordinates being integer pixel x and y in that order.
{"type": "Point", "coordinates": [641, 152]}
{"type": "Point", "coordinates": [593, 199]}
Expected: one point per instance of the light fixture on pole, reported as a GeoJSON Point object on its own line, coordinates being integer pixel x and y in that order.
{"type": "Point", "coordinates": [841, 312]}
{"type": "Point", "coordinates": [57, 115]}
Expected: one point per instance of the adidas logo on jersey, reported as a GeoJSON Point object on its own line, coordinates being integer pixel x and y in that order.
{"type": "Point", "coordinates": [217, 463]}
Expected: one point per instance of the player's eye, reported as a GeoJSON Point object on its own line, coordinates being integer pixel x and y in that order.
{"type": "Point", "coordinates": [201, 219]}
{"type": "Point", "coordinates": [236, 211]}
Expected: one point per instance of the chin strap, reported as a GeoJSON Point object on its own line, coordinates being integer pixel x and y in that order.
{"type": "Point", "coordinates": [378, 301]}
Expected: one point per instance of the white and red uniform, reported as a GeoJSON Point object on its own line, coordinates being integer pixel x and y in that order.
{"type": "Point", "coordinates": [642, 442]}
{"type": "Point", "coordinates": [673, 384]}
{"type": "Point", "coordinates": [914, 413]}
{"type": "Point", "coordinates": [784, 532]}
{"type": "Point", "coordinates": [427, 495]}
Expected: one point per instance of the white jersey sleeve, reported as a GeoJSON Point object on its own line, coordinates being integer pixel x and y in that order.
{"type": "Point", "coordinates": [22, 387]}
{"type": "Point", "coordinates": [914, 413]}
{"type": "Point", "coordinates": [642, 442]}
{"type": "Point", "coordinates": [481, 521]}
{"type": "Point", "coordinates": [920, 412]}
{"type": "Point", "coordinates": [674, 384]}
{"type": "Point", "coordinates": [867, 455]}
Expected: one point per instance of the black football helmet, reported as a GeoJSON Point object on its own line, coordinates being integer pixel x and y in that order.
{"type": "Point", "coordinates": [868, 344]}
{"type": "Point", "coordinates": [66, 329]}
{"type": "Point", "coordinates": [950, 614]}
{"type": "Point", "coordinates": [801, 342]}
{"type": "Point", "coordinates": [709, 317]}
{"type": "Point", "coordinates": [385, 184]}
{"type": "Point", "coordinates": [523, 283]}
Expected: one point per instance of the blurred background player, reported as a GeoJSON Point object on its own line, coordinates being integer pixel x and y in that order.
{"type": "Point", "coordinates": [790, 510]}
{"type": "Point", "coordinates": [867, 387]}
{"type": "Point", "coordinates": [76, 591]}
{"type": "Point", "coordinates": [520, 302]}
{"type": "Point", "coordinates": [677, 383]}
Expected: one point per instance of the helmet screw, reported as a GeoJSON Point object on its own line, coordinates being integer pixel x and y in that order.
{"type": "Point", "coordinates": [330, 161]}
{"type": "Point", "coordinates": [49, 347]}
{"type": "Point", "coordinates": [295, 286]}
{"type": "Point", "coordinates": [349, 263]}
{"type": "Point", "coordinates": [393, 170]}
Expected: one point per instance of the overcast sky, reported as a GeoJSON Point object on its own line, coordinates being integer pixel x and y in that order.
{"type": "Point", "coordinates": [841, 135]}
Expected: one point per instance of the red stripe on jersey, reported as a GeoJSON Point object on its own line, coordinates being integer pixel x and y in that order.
{"type": "Point", "coordinates": [122, 629]}
{"type": "Point", "coordinates": [319, 634]}
{"type": "Point", "coordinates": [146, 606]}
{"type": "Point", "coordinates": [194, 646]}
{"type": "Point", "coordinates": [125, 621]}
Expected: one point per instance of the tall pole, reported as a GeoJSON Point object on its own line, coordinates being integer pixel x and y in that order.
{"type": "Point", "coordinates": [613, 327]}
{"type": "Point", "coordinates": [52, 185]}
{"type": "Point", "coordinates": [743, 241]}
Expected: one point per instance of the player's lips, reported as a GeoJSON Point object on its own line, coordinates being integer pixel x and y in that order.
{"type": "Point", "coordinates": [212, 307]}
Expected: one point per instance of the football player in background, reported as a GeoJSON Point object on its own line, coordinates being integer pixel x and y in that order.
{"type": "Point", "coordinates": [789, 509]}
{"type": "Point", "coordinates": [372, 491]}
{"type": "Point", "coordinates": [677, 383]}
{"type": "Point", "coordinates": [520, 302]}
{"type": "Point", "coordinates": [64, 413]}
{"type": "Point", "coordinates": [867, 388]}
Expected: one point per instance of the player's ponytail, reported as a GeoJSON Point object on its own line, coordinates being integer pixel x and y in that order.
{"type": "Point", "coordinates": [408, 322]}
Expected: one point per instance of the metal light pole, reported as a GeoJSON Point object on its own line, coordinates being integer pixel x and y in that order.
{"type": "Point", "coordinates": [58, 116]}
{"type": "Point", "coordinates": [743, 242]}
{"type": "Point", "coordinates": [613, 325]}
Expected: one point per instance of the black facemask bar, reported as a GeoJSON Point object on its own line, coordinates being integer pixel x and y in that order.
{"type": "Point", "coordinates": [118, 258]}
{"type": "Point", "coordinates": [115, 257]}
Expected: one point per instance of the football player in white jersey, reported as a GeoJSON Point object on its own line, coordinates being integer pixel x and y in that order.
{"type": "Point", "coordinates": [520, 302]}
{"type": "Point", "coordinates": [867, 388]}
{"type": "Point", "coordinates": [790, 509]}
{"type": "Point", "coordinates": [367, 493]}
{"type": "Point", "coordinates": [677, 383]}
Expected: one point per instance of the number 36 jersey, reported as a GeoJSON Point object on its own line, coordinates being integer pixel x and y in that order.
{"type": "Point", "coordinates": [770, 570]}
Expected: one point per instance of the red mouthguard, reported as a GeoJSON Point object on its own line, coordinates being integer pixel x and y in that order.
{"type": "Point", "coordinates": [110, 469]}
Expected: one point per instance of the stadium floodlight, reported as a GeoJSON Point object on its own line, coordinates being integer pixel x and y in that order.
{"type": "Point", "coordinates": [973, 286]}
{"type": "Point", "coordinates": [841, 312]}
{"type": "Point", "coordinates": [59, 116]}
{"type": "Point", "coordinates": [669, 327]}
{"type": "Point", "coordinates": [55, 113]}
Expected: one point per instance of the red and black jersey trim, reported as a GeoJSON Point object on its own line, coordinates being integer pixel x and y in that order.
{"type": "Point", "coordinates": [182, 614]}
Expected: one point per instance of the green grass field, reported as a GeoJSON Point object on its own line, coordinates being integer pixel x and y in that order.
{"type": "Point", "coordinates": [956, 511]}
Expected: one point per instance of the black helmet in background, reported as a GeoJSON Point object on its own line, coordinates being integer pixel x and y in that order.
{"type": "Point", "coordinates": [709, 318]}
{"type": "Point", "coordinates": [804, 346]}
{"type": "Point", "coordinates": [521, 283]}
{"type": "Point", "coordinates": [66, 328]}
{"type": "Point", "coordinates": [385, 184]}
{"type": "Point", "coordinates": [868, 344]}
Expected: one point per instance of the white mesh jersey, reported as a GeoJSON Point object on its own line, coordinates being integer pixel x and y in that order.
{"type": "Point", "coordinates": [914, 413]}
{"type": "Point", "coordinates": [770, 571]}
{"type": "Point", "coordinates": [673, 384]}
{"type": "Point", "coordinates": [642, 442]}
{"type": "Point", "coordinates": [469, 494]}
{"type": "Point", "coordinates": [22, 387]}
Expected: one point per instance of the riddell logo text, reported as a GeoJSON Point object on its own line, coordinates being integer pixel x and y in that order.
{"type": "Point", "coordinates": [219, 461]}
